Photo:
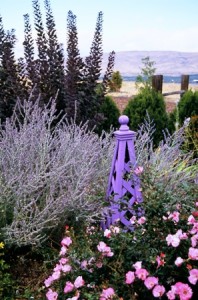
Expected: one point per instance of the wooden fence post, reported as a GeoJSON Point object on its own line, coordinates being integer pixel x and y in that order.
{"type": "Point", "coordinates": [157, 82]}
{"type": "Point", "coordinates": [184, 82]}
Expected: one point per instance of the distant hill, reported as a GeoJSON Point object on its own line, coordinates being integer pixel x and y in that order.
{"type": "Point", "coordinates": [173, 63]}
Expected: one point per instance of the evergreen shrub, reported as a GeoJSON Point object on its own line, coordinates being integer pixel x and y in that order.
{"type": "Point", "coordinates": [151, 102]}
{"type": "Point", "coordinates": [111, 114]}
{"type": "Point", "coordinates": [191, 141]}
{"type": "Point", "coordinates": [188, 106]}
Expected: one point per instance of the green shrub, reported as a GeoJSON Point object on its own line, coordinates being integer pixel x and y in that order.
{"type": "Point", "coordinates": [188, 106]}
{"type": "Point", "coordinates": [111, 114]}
{"type": "Point", "coordinates": [151, 102]}
{"type": "Point", "coordinates": [6, 282]}
{"type": "Point", "coordinates": [191, 141]}
{"type": "Point", "coordinates": [172, 120]}
{"type": "Point", "coordinates": [116, 82]}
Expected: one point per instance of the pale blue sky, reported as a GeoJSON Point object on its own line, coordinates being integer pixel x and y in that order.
{"type": "Point", "coordinates": [128, 24]}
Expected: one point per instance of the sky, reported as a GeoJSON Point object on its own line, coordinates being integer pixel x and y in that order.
{"type": "Point", "coordinates": [128, 25]}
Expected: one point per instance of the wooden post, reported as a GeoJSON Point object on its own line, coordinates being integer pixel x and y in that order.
{"type": "Point", "coordinates": [184, 82]}
{"type": "Point", "coordinates": [157, 82]}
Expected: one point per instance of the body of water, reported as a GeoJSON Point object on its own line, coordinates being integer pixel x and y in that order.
{"type": "Point", "coordinates": [193, 79]}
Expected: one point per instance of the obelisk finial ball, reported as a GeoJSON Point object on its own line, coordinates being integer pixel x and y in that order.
{"type": "Point", "coordinates": [123, 120]}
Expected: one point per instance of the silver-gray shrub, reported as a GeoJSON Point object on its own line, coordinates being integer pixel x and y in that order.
{"type": "Point", "coordinates": [170, 172]}
{"type": "Point", "coordinates": [48, 173]}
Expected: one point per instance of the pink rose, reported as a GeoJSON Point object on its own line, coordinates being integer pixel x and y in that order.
{"type": "Point", "coordinates": [191, 220]}
{"type": "Point", "coordinates": [194, 230]}
{"type": "Point", "coordinates": [66, 268]}
{"type": "Point", "coordinates": [84, 264]}
{"type": "Point", "coordinates": [101, 247]}
{"type": "Point", "coordinates": [48, 281]}
{"type": "Point", "coordinates": [63, 260]}
{"type": "Point", "coordinates": [130, 277]}
{"type": "Point", "coordinates": [106, 251]}
{"type": "Point", "coordinates": [150, 282]}
{"type": "Point", "coordinates": [193, 253]}
{"type": "Point", "coordinates": [141, 220]}
{"type": "Point", "coordinates": [137, 265]}
{"type": "Point", "coordinates": [107, 233]}
{"type": "Point", "coordinates": [181, 235]}
{"type": "Point", "coordinates": [138, 170]}
{"type": "Point", "coordinates": [179, 261]}
{"type": "Point", "coordinates": [170, 295]}
{"type": "Point", "coordinates": [158, 291]}
{"type": "Point", "coordinates": [107, 294]}
{"type": "Point", "coordinates": [57, 267]}
{"type": "Point", "coordinates": [194, 240]}
{"type": "Point", "coordinates": [173, 240]}
{"type": "Point", "coordinates": [63, 251]}
{"type": "Point", "coordinates": [183, 290]}
{"type": "Point", "coordinates": [133, 219]}
{"type": "Point", "coordinates": [68, 287]}
{"type": "Point", "coordinates": [79, 282]}
{"type": "Point", "coordinates": [51, 295]}
{"type": "Point", "coordinates": [66, 241]}
{"type": "Point", "coordinates": [141, 273]}
{"type": "Point", "coordinates": [193, 276]}
{"type": "Point", "coordinates": [56, 275]}
{"type": "Point", "coordinates": [115, 229]}
{"type": "Point", "coordinates": [174, 216]}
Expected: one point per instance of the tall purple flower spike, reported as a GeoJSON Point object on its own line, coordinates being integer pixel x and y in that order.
{"type": "Point", "coordinates": [123, 190]}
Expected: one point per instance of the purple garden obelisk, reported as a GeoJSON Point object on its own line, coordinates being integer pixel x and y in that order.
{"type": "Point", "coordinates": [124, 185]}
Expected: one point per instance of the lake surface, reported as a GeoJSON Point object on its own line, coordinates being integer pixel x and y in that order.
{"type": "Point", "coordinates": [167, 79]}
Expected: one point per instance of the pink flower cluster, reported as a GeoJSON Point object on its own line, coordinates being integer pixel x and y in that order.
{"type": "Point", "coordinates": [180, 289]}
{"type": "Point", "coordinates": [113, 230]}
{"type": "Point", "coordinates": [139, 221]}
{"type": "Point", "coordinates": [174, 239]}
{"type": "Point", "coordinates": [69, 286]}
{"type": "Point", "coordinates": [150, 282]}
{"type": "Point", "coordinates": [104, 249]}
{"type": "Point", "coordinates": [63, 267]}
